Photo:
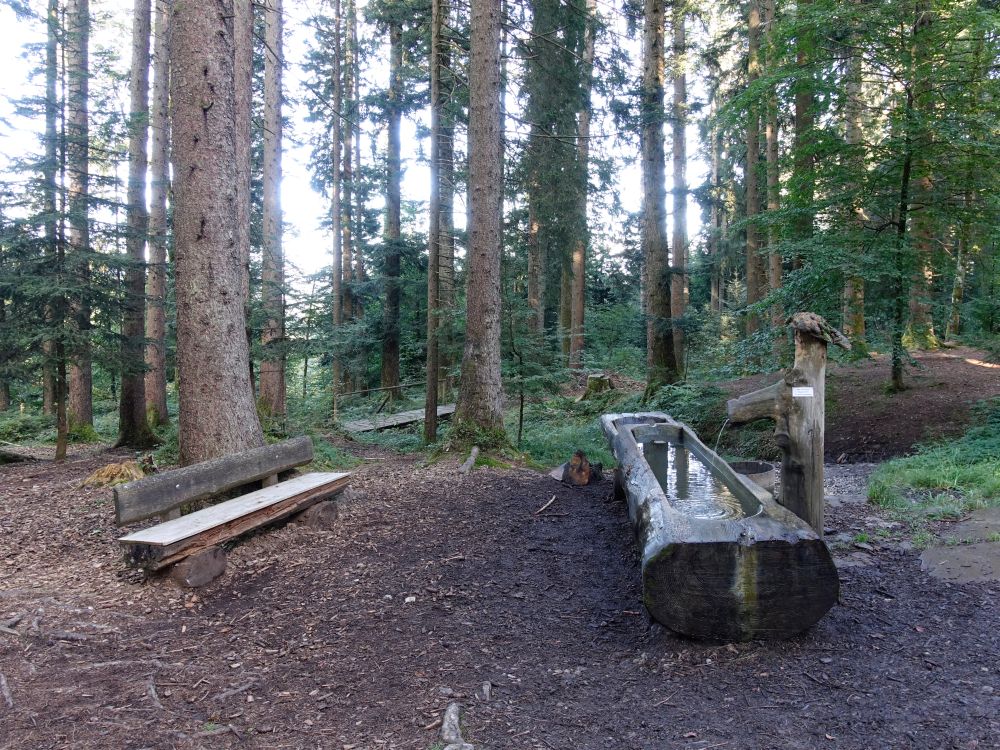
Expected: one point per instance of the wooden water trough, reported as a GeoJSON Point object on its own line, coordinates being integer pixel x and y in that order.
{"type": "Point", "coordinates": [720, 558]}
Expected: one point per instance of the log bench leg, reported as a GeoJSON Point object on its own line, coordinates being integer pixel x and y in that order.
{"type": "Point", "coordinates": [321, 516]}
{"type": "Point", "coordinates": [200, 568]}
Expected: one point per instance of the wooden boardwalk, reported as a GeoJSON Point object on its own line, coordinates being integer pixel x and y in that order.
{"type": "Point", "coordinates": [387, 421]}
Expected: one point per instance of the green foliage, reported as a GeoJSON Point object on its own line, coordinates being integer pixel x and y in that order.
{"type": "Point", "coordinates": [946, 479]}
{"type": "Point", "coordinates": [169, 451]}
{"type": "Point", "coordinates": [556, 428]}
{"type": "Point", "coordinates": [28, 427]}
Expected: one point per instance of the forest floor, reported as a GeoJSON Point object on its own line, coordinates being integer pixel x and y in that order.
{"type": "Point", "coordinates": [437, 587]}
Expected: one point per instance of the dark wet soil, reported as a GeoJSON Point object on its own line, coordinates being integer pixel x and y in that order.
{"type": "Point", "coordinates": [433, 584]}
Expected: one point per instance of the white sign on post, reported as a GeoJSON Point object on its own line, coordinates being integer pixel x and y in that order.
{"type": "Point", "coordinates": [802, 391]}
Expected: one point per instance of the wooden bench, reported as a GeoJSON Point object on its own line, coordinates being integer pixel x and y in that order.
{"type": "Point", "coordinates": [191, 542]}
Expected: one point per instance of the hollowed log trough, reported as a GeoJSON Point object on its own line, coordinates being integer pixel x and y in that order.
{"type": "Point", "coordinates": [750, 569]}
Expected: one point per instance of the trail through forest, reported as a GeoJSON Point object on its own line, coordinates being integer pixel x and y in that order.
{"type": "Point", "coordinates": [436, 587]}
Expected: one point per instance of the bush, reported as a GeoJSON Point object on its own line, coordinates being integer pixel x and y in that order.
{"type": "Point", "coordinates": [16, 427]}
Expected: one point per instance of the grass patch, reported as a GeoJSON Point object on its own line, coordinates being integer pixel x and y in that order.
{"type": "Point", "coordinates": [946, 479]}
{"type": "Point", "coordinates": [328, 457]}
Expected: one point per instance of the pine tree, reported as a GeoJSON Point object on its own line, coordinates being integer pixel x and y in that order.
{"type": "Point", "coordinates": [479, 411]}
{"type": "Point", "coordinates": [133, 429]}
{"type": "Point", "coordinates": [217, 410]}
{"type": "Point", "coordinates": [272, 368]}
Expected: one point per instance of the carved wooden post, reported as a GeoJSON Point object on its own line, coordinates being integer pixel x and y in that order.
{"type": "Point", "coordinates": [797, 405]}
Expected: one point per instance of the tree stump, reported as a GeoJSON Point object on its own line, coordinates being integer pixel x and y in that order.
{"type": "Point", "coordinates": [578, 471]}
{"type": "Point", "coordinates": [322, 516]}
{"type": "Point", "coordinates": [200, 568]}
{"type": "Point", "coordinates": [597, 383]}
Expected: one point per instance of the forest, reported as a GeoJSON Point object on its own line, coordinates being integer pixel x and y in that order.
{"type": "Point", "coordinates": [839, 157]}
{"type": "Point", "coordinates": [328, 287]}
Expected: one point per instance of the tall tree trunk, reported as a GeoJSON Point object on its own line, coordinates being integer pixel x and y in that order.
{"type": "Point", "coordinates": [217, 410]}
{"type": "Point", "coordinates": [434, 232]}
{"type": "Point", "coordinates": [773, 171]}
{"type": "Point", "coordinates": [159, 187]}
{"type": "Point", "coordinates": [349, 109]}
{"type": "Point", "coordinates": [133, 429]}
{"type": "Point", "coordinates": [803, 183]}
{"type": "Point", "coordinates": [755, 263]}
{"type": "Point", "coordinates": [390, 319]}
{"type": "Point", "coordinates": [479, 412]}
{"type": "Point", "coordinates": [920, 327]}
{"type": "Point", "coordinates": [446, 234]}
{"type": "Point", "coordinates": [336, 217]}
{"type": "Point", "coordinates": [50, 189]}
{"type": "Point", "coordinates": [536, 260]}
{"type": "Point", "coordinates": [272, 366]}
{"type": "Point", "coordinates": [661, 364]}
{"type": "Point", "coordinates": [81, 409]}
{"type": "Point", "coordinates": [243, 66]}
{"type": "Point", "coordinates": [577, 341]}
{"type": "Point", "coordinates": [360, 275]}
{"type": "Point", "coordinates": [854, 284]}
{"type": "Point", "coordinates": [954, 327]}
{"type": "Point", "coordinates": [715, 222]}
{"type": "Point", "coordinates": [678, 279]}
{"type": "Point", "coordinates": [4, 385]}
{"type": "Point", "coordinates": [901, 275]}
{"type": "Point", "coordinates": [565, 302]}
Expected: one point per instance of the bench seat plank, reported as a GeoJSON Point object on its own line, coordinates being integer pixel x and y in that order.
{"type": "Point", "coordinates": [165, 543]}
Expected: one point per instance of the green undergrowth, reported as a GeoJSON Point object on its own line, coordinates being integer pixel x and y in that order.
{"type": "Point", "coordinates": [946, 479]}
{"type": "Point", "coordinates": [555, 428]}
{"type": "Point", "coordinates": [328, 457]}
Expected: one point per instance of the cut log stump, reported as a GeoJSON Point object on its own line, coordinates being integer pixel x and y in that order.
{"type": "Point", "coordinates": [597, 383]}
{"type": "Point", "coordinates": [322, 516]}
{"type": "Point", "coordinates": [578, 471]}
{"type": "Point", "coordinates": [200, 568]}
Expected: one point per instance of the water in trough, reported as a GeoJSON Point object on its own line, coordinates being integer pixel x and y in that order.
{"type": "Point", "coordinates": [689, 484]}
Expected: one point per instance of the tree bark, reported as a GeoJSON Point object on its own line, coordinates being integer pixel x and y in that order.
{"type": "Point", "coordinates": [156, 279]}
{"type": "Point", "coordinates": [272, 366]}
{"type": "Point", "coordinates": [390, 318]}
{"type": "Point", "coordinates": [438, 14]}
{"type": "Point", "coordinates": [243, 80]}
{"type": "Point", "coordinates": [336, 143]}
{"type": "Point", "coordinates": [133, 428]}
{"type": "Point", "coordinates": [576, 345]}
{"type": "Point", "coordinates": [50, 189]}
{"type": "Point", "coordinates": [803, 184]}
{"type": "Point", "coordinates": [661, 364]}
{"type": "Point", "coordinates": [774, 268]}
{"type": "Point", "coordinates": [954, 327]}
{"type": "Point", "coordinates": [920, 326]}
{"type": "Point", "coordinates": [754, 262]}
{"type": "Point", "coordinates": [536, 263]}
{"type": "Point", "coordinates": [678, 279]}
{"type": "Point", "coordinates": [715, 224]}
{"type": "Point", "coordinates": [217, 410]}
{"type": "Point", "coordinates": [348, 105]}
{"type": "Point", "coordinates": [81, 410]}
{"type": "Point", "coordinates": [854, 284]}
{"type": "Point", "coordinates": [446, 242]}
{"type": "Point", "coordinates": [479, 411]}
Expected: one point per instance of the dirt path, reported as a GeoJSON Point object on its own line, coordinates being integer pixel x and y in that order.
{"type": "Point", "coordinates": [434, 584]}
{"type": "Point", "coordinates": [864, 423]}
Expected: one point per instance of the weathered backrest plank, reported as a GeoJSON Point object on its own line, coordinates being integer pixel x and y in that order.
{"type": "Point", "coordinates": [155, 495]}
